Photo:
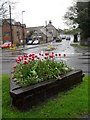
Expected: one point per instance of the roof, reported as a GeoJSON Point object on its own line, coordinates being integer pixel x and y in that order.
{"type": "Point", "coordinates": [33, 28]}
{"type": "Point", "coordinates": [12, 21]}
{"type": "Point", "coordinates": [45, 33]}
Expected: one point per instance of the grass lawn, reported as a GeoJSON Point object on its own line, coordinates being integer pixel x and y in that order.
{"type": "Point", "coordinates": [80, 46]}
{"type": "Point", "coordinates": [70, 104]}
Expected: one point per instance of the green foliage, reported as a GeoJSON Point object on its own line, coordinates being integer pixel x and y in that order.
{"type": "Point", "coordinates": [30, 34]}
{"type": "Point", "coordinates": [77, 15]}
{"type": "Point", "coordinates": [71, 31]}
{"type": "Point", "coordinates": [37, 71]}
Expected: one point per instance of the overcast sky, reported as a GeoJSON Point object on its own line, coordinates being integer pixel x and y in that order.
{"type": "Point", "coordinates": [39, 11]}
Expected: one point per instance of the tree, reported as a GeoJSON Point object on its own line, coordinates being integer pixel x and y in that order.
{"type": "Point", "coordinates": [30, 33]}
{"type": "Point", "coordinates": [77, 16]}
{"type": "Point", "coordinates": [71, 16]}
{"type": "Point", "coordinates": [4, 8]}
{"type": "Point", "coordinates": [83, 20]}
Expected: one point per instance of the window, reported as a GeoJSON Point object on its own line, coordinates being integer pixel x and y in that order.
{"type": "Point", "coordinates": [7, 34]}
{"type": "Point", "coordinates": [6, 25]}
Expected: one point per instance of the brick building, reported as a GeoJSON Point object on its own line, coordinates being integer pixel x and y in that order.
{"type": "Point", "coordinates": [18, 31]}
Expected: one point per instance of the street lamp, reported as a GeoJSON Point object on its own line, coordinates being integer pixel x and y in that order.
{"type": "Point", "coordinates": [46, 31]}
{"type": "Point", "coordinates": [22, 16]}
{"type": "Point", "coordinates": [23, 28]}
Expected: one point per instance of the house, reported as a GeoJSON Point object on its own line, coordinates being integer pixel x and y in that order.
{"type": "Point", "coordinates": [42, 33]}
{"type": "Point", "coordinates": [18, 31]}
{"type": "Point", "coordinates": [52, 30]}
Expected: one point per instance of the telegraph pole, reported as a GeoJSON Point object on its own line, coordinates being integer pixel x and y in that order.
{"type": "Point", "coordinates": [10, 24]}
{"type": "Point", "coordinates": [23, 28]}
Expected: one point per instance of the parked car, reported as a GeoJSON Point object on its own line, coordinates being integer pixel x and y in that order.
{"type": "Point", "coordinates": [6, 45]}
{"type": "Point", "coordinates": [36, 42]}
{"type": "Point", "coordinates": [58, 39]}
{"type": "Point", "coordinates": [67, 38]}
{"type": "Point", "coordinates": [63, 37]}
{"type": "Point", "coordinates": [30, 42]}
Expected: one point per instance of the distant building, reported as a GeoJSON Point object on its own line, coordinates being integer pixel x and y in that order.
{"type": "Point", "coordinates": [41, 33]}
{"type": "Point", "coordinates": [18, 31]}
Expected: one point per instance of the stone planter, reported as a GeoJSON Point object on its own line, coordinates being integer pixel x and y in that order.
{"type": "Point", "coordinates": [25, 98]}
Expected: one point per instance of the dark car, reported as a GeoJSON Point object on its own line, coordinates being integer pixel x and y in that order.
{"type": "Point", "coordinates": [58, 39]}
{"type": "Point", "coordinates": [67, 38]}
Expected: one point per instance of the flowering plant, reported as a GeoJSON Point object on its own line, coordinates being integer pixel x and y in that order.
{"type": "Point", "coordinates": [32, 68]}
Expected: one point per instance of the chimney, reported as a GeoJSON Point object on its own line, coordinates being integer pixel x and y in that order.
{"type": "Point", "coordinates": [50, 22]}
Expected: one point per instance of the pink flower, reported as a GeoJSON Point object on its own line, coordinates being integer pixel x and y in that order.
{"type": "Point", "coordinates": [64, 55]}
{"type": "Point", "coordinates": [17, 62]}
{"type": "Point", "coordinates": [38, 58]}
{"type": "Point", "coordinates": [16, 59]}
{"type": "Point", "coordinates": [43, 73]}
{"type": "Point", "coordinates": [40, 54]}
{"type": "Point", "coordinates": [33, 55]}
{"type": "Point", "coordinates": [51, 56]}
{"type": "Point", "coordinates": [25, 58]}
{"type": "Point", "coordinates": [45, 57]}
{"type": "Point", "coordinates": [32, 58]}
{"type": "Point", "coordinates": [25, 55]}
{"type": "Point", "coordinates": [14, 66]}
{"type": "Point", "coordinates": [25, 62]}
{"type": "Point", "coordinates": [52, 52]}
{"type": "Point", "coordinates": [56, 54]}
{"type": "Point", "coordinates": [59, 54]}
{"type": "Point", "coordinates": [21, 57]}
{"type": "Point", "coordinates": [30, 55]}
{"type": "Point", "coordinates": [29, 60]}
{"type": "Point", "coordinates": [46, 53]}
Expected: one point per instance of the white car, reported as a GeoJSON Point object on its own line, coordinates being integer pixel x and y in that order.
{"type": "Point", "coordinates": [29, 42]}
{"type": "Point", "coordinates": [36, 42]}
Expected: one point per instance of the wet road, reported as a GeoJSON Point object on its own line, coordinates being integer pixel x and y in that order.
{"type": "Point", "coordinates": [77, 58]}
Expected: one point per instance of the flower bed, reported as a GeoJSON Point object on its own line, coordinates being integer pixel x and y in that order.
{"type": "Point", "coordinates": [31, 69]}
{"type": "Point", "coordinates": [36, 79]}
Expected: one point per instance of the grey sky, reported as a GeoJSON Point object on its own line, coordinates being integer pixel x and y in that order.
{"type": "Point", "coordinates": [38, 11]}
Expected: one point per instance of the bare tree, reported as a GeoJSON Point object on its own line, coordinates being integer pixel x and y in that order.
{"type": "Point", "coordinates": [71, 16]}
{"type": "Point", "coordinates": [4, 8]}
